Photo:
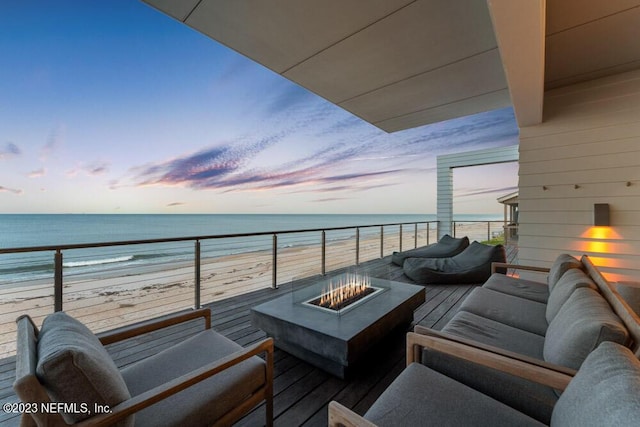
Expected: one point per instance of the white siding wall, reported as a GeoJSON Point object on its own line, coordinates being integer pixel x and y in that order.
{"type": "Point", "coordinates": [590, 138]}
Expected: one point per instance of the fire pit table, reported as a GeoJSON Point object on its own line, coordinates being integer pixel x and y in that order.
{"type": "Point", "coordinates": [334, 338]}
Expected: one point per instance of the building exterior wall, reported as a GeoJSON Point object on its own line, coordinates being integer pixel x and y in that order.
{"type": "Point", "coordinates": [586, 151]}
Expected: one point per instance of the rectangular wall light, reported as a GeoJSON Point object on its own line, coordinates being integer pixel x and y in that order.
{"type": "Point", "coordinates": [601, 214]}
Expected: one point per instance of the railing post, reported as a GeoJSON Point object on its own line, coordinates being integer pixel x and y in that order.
{"type": "Point", "coordinates": [488, 230]}
{"type": "Point", "coordinates": [196, 296]}
{"type": "Point", "coordinates": [324, 252]}
{"type": "Point", "coordinates": [454, 229]}
{"type": "Point", "coordinates": [274, 262]}
{"type": "Point", "coordinates": [429, 231]}
{"type": "Point", "coordinates": [382, 241]}
{"type": "Point", "coordinates": [415, 234]}
{"type": "Point", "coordinates": [400, 238]}
{"type": "Point", "coordinates": [357, 245]}
{"type": "Point", "coordinates": [57, 281]}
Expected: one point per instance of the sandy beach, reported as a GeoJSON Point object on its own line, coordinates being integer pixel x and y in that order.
{"type": "Point", "coordinates": [107, 303]}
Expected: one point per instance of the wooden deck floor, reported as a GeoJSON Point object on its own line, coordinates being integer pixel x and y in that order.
{"type": "Point", "coordinates": [301, 391]}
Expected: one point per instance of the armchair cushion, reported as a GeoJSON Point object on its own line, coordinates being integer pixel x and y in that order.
{"type": "Point", "coordinates": [582, 323]}
{"type": "Point", "coordinates": [420, 395]}
{"type": "Point", "coordinates": [73, 366]}
{"type": "Point", "coordinates": [202, 402]}
{"type": "Point", "coordinates": [605, 391]}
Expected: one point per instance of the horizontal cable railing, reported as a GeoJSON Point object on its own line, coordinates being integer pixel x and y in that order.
{"type": "Point", "coordinates": [482, 231]}
{"type": "Point", "coordinates": [111, 284]}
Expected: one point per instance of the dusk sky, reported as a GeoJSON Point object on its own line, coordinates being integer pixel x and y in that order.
{"type": "Point", "coordinates": [113, 107]}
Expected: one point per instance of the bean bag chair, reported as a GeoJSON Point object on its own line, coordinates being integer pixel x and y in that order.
{"type": "Point", "coordinates": [473, 265]}
{"type": "Point", "coordinates": [447, 246]}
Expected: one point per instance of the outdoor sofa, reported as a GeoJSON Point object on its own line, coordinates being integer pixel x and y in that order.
{"type": "Point", "coordinates": [472, 265]}
{"type": "Point", "coordinates": [529, 331]}
{"type": "Point", "coordinates": [445, 247]}
{"type": "Point", "coordinates": [557, 323]}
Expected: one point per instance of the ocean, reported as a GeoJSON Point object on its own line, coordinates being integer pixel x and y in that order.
{"type": "Point", "coordinates": [30, 230]}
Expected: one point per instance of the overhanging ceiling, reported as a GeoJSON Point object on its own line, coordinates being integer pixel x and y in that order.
{"type": "Point", "coordinates": [400, 64]}
{"type": "Point", "coordinates": [397, 64]}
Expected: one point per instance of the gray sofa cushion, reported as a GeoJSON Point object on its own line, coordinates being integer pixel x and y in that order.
{"type": "Point", "coordinates": [487, 331]}
{"type": "Point", "coordinates": [560, 266]}
{"type": "Point", "coordinates": [515, 286]}
{"type": "Point", "coordinates": [447, 246]}
{"type": "Point", "coordinates": [74, 367]}
{"type": "Point", "coordinates": [513, 311]}
{"type": "Point", "coordinates": [605, 392]}
{"type": "Point", "coordinates": [533, 399]}
{"type": "Point", "coordinates": [473, 265]}
{"type": "Point", "coordinates": [570, 281]}
{"type": "Point", "coordinates": [203, 402]}
{"type": "Point", "coordinates": [582, 323]}
{"type": "Point", "coordinates": [421, 396]}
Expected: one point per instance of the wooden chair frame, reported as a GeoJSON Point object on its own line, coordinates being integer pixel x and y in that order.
{"type": "Point", "coordinates": [26, 362]}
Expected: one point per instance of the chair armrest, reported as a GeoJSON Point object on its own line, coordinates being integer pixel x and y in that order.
{"type": "Point", "coordinates": [341, 416]}
{"type": "Point", "coordinates": [509, 362]}
{"type": "Point", "coordinates": [153, 325]}
{"type": "Point", "coordinates": [156, 394]}
{"type": "Point", "coordinates": [496, 265]}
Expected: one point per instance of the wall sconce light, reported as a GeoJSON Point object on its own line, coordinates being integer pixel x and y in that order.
{"type": "Point", "coordinates": [601, 214]}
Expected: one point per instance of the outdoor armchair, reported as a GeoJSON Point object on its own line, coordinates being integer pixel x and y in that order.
{"type": "Point", "coordinates": [204, 380]}
{"type": "Point", "coordinates": [603, 392]}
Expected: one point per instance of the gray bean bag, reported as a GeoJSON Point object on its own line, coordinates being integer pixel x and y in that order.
{"type": "Point", "coordinates": [473, 265]}
{"type": "Point", "coordinates": [447, 246]}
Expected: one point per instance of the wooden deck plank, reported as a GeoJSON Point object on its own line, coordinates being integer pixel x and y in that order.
{"type": "Point", "coordinates": [301, 391]}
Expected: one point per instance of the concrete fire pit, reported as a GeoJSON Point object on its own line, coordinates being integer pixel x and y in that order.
{"type": "Point", "coordinates": [335, 340]}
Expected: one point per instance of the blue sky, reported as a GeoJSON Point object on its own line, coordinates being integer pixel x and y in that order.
{"type": "Point", "coordinates": [113, 107]}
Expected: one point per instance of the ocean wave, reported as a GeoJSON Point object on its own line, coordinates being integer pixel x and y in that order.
{"type": "Point", "coordinates": [91, 262]}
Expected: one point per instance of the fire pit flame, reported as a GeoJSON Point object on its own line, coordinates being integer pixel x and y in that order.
{"type": "Point", "coordinates": [347, 290]}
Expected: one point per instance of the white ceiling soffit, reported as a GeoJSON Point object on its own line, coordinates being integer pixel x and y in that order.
{"type": "Point", "coordinates": [587, 39]}
{"type": "Point", "coordinates": [397, 64]}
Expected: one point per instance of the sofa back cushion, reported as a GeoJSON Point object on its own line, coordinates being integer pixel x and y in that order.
{"type": "Point", "coordinates": [573, 279]}
{"type": "Point", "coordinates": [582, 323]}
{"type": "Point", "coordinates": [604, 392]}
{"type": "Point", "coordinates": [74, 367]}
{"type": "Point", "coordinates": [561, 265]}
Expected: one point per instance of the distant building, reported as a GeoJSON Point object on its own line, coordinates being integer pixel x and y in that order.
{"type": "Point", "coordinates": [510, 202]}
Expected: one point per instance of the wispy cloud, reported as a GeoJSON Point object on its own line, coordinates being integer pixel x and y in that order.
{"type": "Point", "coordinates": [175, 204]}
{"type": "Point", "coordinates": [336, 152]}
{"type": "Point", "coordinates": [53, 143]}
{"type": "Point", "coordinates": [10, 190]}
{"type": "Point", "coordinates": [204, 169]}
{"type": "Point", "coordinates": [95, 168]}
{"type": "Point", "coordinates": [37, 173]}
{"type": "Point", "coordinates": [9, 150]}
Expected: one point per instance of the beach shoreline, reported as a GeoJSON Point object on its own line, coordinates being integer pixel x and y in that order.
{"type": "Point", "coordinates": [108, 302]}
